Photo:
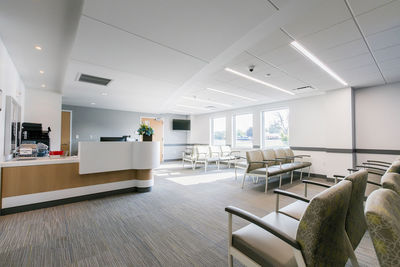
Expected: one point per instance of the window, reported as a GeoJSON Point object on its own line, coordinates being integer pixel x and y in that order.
{"type": "Point", "coordinates": [218, 131]}
{"type": "Point", "coordinates": [244, 130]}
{"type": "Point", "coordinates": [276, 128]}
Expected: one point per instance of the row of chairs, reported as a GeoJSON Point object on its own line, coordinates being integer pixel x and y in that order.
{"type": "Point", "coordinates": [202, 154]}
{"type": "Point", "coordinates": [326, 229]}
{"type": "Point", "coordinates": [272, 162]}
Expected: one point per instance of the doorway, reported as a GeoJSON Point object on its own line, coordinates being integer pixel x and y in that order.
{"type": "Point", "coordinates": [66, 128]}
{"type": "Point", "coordinates": [158, 127]}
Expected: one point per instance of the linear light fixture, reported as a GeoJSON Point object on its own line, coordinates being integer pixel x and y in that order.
{"type": "Point", "coordinates": [231, 94]}
{"type": "Point", "coordinates": [258, 81]}
{"type": "Point", "coordinates": [192, 107]}
{"type": "Point", "coordinates": [206, 101]}
{"type": "Point", "coordinates": [314, 59]}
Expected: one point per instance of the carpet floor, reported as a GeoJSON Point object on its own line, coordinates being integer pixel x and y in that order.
{"type": "Point", "coordinates": [181, 222]}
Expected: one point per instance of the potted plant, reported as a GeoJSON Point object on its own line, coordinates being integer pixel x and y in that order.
{"type": "Point", "coordinates": [146, 131]}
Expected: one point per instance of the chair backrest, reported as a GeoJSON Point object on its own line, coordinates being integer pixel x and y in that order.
{"type": "Point", "coordinates": [269, 154]}
{"type": "Point", "coordinates": [395, 167]}
{"type": "Point", "coordinates": [391, 181]}
{"type": "Point", "coordinates": [215, 151]}
{"type": "Point", "coordinates": [321, 232]}
{"type": "Point", "coordinates": [280, 153]}
{"type": "Point", "coordinates": [254, 155]}
{"type": "Point", "coordinates": [382, 212]}
{"type": "Point", "coordinates": [226, 150]}
{"type": "Point", "coordinates": [202, 152]}
{"type": "Point", "coordinates": [289, 152]}
{"type": "Point", "coordinates": [355, 220]}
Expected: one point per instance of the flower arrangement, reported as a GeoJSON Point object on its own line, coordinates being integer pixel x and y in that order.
{"type": "Point", "coordinates": [145, 130]}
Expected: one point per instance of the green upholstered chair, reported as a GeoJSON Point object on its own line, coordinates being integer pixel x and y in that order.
{"type": "Point", "coordinates": [355, 221]}
{"type": "Point", "coordinates": [391, 181]}
{"type": "Point", "coordinates": [318, 239]}
{"type": "Point", "coordinates": [382, 213]}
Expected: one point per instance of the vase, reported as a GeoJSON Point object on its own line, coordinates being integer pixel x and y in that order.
{"type": "Point", "coordinates": [147, 138]}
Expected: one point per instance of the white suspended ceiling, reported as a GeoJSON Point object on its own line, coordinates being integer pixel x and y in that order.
{"type": "Point", "coordinates": [163, 55]}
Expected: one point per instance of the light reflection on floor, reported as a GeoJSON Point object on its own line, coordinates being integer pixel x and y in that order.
{"type": "Point", "coordinates": [201, 179]}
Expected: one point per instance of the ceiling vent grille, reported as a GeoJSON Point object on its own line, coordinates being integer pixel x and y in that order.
{"type": "Point", "coordinates": [308, 87]}
{"type": "Point", "coordinates": [93, 79]}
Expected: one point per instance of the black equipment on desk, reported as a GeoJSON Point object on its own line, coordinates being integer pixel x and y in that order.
{"type": "Point", "coordinates": [33, 132]}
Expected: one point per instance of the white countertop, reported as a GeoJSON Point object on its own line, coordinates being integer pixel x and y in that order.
{"type": "Point", "coordinates": [39, 161]}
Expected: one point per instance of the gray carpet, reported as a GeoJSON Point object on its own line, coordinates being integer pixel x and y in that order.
{"type": "Point", "coordinates": [180, 223]}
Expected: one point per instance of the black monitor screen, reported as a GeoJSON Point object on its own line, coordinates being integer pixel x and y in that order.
{"type": "Point", "coordinates": [183, 125]}
{"type": "Point", "coordinates": [113, 139]}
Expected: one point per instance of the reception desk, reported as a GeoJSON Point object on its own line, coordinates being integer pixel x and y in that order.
{"type": "Point", "coordinates": [101, 169]}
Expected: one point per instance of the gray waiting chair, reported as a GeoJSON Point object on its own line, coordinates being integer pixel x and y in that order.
{"type": "Point", "coordinates": [382, 213]}
{"type": "Point", "coordinates": [319, 238]}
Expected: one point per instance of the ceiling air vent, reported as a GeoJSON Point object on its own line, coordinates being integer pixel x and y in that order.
{"type": "Point", "coordinates": [303, 89]}
{"type": "Point", "coordinates": [94, 79]}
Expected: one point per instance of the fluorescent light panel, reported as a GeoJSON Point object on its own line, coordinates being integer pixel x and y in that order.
{"type": "Point", "coordinates": [314, 59]}
{"type": "Point", "coordinates": [206, 101]}
{"type": "Point", "coordinates": [191, 107]}
{"type": "Point", "coordinates": [231, 94]}
{"type": "Point", "coordinates": [258, 81]}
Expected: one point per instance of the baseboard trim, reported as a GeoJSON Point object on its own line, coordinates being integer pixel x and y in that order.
{"type": "Point", "coordinates": [64, 201]}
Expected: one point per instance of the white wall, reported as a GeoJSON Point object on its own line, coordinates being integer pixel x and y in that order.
{"type": "Point", "coordinates": [323, 121]}
{"type": "Point", "coordinates": [45, 107]}
{"type": "Point", "coordinates": [12, 85]}
{"type": "Point", "coordinates": [377, 112]}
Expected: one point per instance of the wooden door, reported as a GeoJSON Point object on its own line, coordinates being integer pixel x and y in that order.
{"type": "Point", "coordinates": [158, 127]}
{"type": "Point", "coordinates": [66, 132]}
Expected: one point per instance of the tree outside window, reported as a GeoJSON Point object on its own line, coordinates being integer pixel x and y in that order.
{"type": "Point", "coordinates": [276, 128]}
{"type": "Point", "coordinates": [244, 130]}
{"type": "Point", "coordinates": [219, 131]}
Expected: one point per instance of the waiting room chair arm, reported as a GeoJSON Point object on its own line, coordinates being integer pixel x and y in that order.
{"type": "Point", "coordinates": [374, 183]}
{"type": "Point", "coordinates": [264, 225]}
{"type": "Point", "coordinates": [252, 162]}
{"type": "Point", "coordinates": [372, 168]}
{"type": "Point", "coordinates": [302, 156]}
{"type": "Point", "coordinates": [290, 194]}
{"type": "Point", "coordinates": [367, 164]}
{"type": "Point", "coordinates": [378, 161]}
{"type": "Point", "coordinates": [339, 176]}
{"type": "Point", "coordinates": [316, 183]}
{"type": "Point", "coordinates": [272, 160]}
{"type": "Point", "coordinates": [371, 172]}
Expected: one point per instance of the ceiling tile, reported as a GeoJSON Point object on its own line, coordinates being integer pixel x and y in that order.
{"type": "Point", "coordinates": [380, 19]}
{"type": "Point", "coordinates": [200, 28]}
{"type": "Point", "coordinates": [321, 16]}
{"type": "Point", "coordinates": [100, 44]}
{"type": "Point", "coordinates": [362, 6]}
{"type": "Point", "coordinates": [388, 53]}
{"type": "Point", "coordinates": [385, 38]}
{"type": "Point", "coordinates": [273, 41]}
{"type": "Point", "coordinates": [343, 51]}
{"type": "Point", "coordinates": [343, 65]}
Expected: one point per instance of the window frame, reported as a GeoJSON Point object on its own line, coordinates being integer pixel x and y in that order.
{"type": "Point", "coordinates": [212, 129]}
{"type": "Point", "coordinates": [234, 144]}
{"type": "Point", "coordinates": [262, 116]}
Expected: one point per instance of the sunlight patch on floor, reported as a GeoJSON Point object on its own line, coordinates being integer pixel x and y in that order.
{"type": "Point", "coordinates": [200, 179]}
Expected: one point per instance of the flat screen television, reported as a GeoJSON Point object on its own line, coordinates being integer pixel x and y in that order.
{"type": "Point", "coordinates": [181, 125]}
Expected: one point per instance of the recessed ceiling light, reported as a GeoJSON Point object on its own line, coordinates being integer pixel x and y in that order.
{"type": "Point", "coordinates": [104, 94]}
{"type": "Point", "coordinates": [192, 107]}
{"type": "Point", "coordinates": [92, 103]}
{"type": "Point", "coordinates": [318, 62]}
{"type": "Point", "coordinates": [231, 94]}
{"type": "Point", "coordinates": [206, 101]}
{"type": "Point", "coordinates": [258, 81]}
{"type": "Point", "coordinates": [38, 47]}
{"type": "Point", "coordinates": [41, 71]}
{"type": "Point", "coordinates": [43, 85]}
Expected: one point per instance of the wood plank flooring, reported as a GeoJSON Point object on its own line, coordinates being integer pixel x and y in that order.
{"type": "Point", "coordinates": [180, 223]}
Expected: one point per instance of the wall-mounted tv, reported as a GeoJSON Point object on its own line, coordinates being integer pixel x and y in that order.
{"type": "Point", "coordinates": [181, 125]}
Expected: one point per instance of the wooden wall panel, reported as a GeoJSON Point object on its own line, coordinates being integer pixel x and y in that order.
{"type": "Point", "coordinates": [43, 178]}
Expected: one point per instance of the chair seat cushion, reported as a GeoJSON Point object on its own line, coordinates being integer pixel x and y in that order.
{"type": "Point", "coordinates": [212, 159]}
{"type": "Point", "coordinates": [263, 247]}
{"type": "Point", "coordinates": [273, 170]}
{"type": "Point", "coordinates": [295, 210]}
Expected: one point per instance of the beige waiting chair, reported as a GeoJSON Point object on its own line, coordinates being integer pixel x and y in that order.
{"type": "Point", "coordinates": [203, 156]}
{"type": "Point", "coordinates": [318, 239]}
{"type": "Point", "coordinates": [355, 221]}
{"type": "Point", "coordinates": [188, 155]}
{"type": "Point", "coordinates": [228, 156]}
{"type": "Point", "coordinates": [382, 213]}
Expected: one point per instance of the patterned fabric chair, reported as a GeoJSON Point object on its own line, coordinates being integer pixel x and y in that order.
{"type": "Point", "coordinates": [382, 212]}
{"type": "Point", "coordinates": [391, 181]}
{"type": "Point", "coordinates": [318, 239]}
{"type": "Point", "coordinates": [355, 221]}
